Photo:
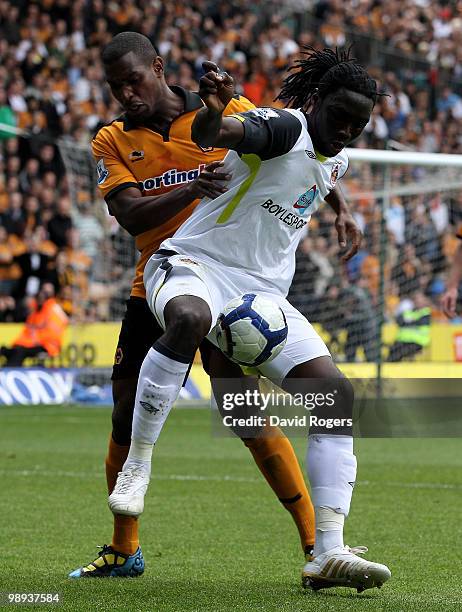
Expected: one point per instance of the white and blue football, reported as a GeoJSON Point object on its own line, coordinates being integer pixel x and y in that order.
{"type": "Point", "coordinates": [251, 329]}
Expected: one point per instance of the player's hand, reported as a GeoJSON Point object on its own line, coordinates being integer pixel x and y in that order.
{"type": "Point", "coordinates": [348, 231]}
{"type": "Point", "coordinates": [207, 183]}
{"type": "Point", "coordinates": [216, 88]}
{"type": "Point", "coordinates": [449, 301]}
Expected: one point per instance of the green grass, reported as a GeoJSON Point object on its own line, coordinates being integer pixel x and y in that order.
{"type": "Point", "coordinates": [213, 536]}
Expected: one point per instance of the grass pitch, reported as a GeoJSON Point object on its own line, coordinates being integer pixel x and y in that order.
{"type": "Point", "coordinates": [213, 535]}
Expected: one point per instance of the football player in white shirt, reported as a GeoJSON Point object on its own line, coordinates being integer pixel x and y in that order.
{"type": "Point", "coordinates": [283, 163]}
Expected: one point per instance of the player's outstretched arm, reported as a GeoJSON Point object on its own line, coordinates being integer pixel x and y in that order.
{"type": "Point", "coordinates": [137, 213]}
{"type": "Point", "coordinates": [346, 226]}
{"type": "Point", "coordinates": [449, 297]}
{"type": "Point", "coordinates": [210, 128]}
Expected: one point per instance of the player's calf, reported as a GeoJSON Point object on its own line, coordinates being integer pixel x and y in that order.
{"type": "Point", "coordinates": [124, 393]}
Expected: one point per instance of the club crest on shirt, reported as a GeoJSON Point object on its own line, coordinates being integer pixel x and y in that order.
{"type": "Point", "coordinates": [206, 149]}
{"type": "Point", "coordinates": [101, 171]}
{"type": "Point", "coordinates": [334, 174]}
{"type": "Point", "coordinates": [136, 156]}
{"type": "Point", "coordinates": [306, 199]}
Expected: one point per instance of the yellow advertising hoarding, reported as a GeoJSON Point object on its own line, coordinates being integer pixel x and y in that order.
{"type": "Point", "coordinates": [94, 344]}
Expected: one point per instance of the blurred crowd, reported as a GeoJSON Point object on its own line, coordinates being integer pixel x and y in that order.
{"type": "Point", "coordinates": [427, 28]}
{"type": "Point", "coordinates": [52, 86]}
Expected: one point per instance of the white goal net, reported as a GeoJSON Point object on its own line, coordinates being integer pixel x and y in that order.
{"type": "Point", "coordinates": [115, 257]}
{"type": "Point", "coordinates": [375, 307]}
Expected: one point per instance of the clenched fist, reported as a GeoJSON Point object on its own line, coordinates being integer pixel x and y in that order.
{"type": "Point", "coordinates": [215, 88]}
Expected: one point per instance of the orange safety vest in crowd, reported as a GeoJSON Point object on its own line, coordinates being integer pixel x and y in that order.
{"type": "Point", "coordinates": [45, 327]}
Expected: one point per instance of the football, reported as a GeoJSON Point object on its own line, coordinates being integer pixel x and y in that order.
{"type": "Point", "coordinates": [251, 329]}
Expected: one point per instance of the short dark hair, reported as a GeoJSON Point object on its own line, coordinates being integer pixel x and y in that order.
{"type": "Point", "coordinates": [127, 42]}
{"type": "Point", "coordinates": [325, 71]}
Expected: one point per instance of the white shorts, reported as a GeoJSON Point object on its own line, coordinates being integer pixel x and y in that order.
{"type": "Point", "coordinates": [166, 278]}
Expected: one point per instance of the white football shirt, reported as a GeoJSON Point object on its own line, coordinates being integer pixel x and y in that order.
{"type": "Point", "coordinates": [277, 183]}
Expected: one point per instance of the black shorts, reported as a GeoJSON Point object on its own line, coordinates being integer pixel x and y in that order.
{"type": "Point", "coordinates": [138, 333]}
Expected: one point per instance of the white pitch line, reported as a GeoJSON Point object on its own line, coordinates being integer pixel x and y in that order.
{"type": "Point", "coordinates": [412, 485]}
{"type": "Point", "coordinates": [226, 478]}
{"type": "Point", "coordinates": [183, 477]}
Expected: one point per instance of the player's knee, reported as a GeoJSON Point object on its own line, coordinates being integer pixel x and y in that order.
{"type": "Point", "coordinates": [256, 440]}
{"type": "Point", "coordinates": [188, 326]}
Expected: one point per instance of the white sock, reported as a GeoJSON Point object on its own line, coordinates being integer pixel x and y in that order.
{"type": "Point", "coordinates": [331, 467]}
{"type": "Point", "coordinates": [159, 385]}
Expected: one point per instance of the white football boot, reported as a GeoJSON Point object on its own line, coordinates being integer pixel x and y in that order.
{"type": "Point", "coordinates": [128, 495]}
{"type": "Point", "coordinates": [340, 566]}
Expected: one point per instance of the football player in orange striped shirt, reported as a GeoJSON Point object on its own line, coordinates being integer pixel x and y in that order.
{"type": "Point", "coordinates": [152, 176]}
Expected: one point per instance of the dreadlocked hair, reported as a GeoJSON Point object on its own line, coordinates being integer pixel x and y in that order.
{"type": "Point", "coordinates": [322, 72]}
